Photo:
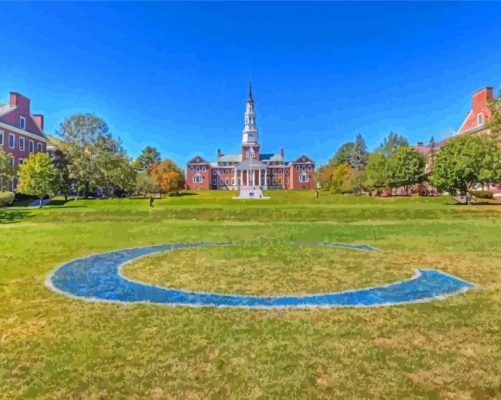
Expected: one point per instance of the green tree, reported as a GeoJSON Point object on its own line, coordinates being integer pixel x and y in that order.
{"type": "Point", "coordinates": [376, 171]}
{"type": "Point", "coordinates": [495, 119]}
{"type": "Point", "coordinates": [61, 162]}
{"type": "Point", "coordinates": [359, 154]}
{"type": "Point", "coordinates": [358, 179]}
{"type": "Point", "coordinates": [342, 156]}
{"type": "Point", "coordinates": [465, 161]}
{"type": "Point", "coordinates": [146, 184]}
{"type": "Point", "coordinates": [38, 176]}
{"type": "Point", "coordinates": [404, 168]}
{"type": "Point", "coordinates": [149, 156]}
{"type": "Point", "coordinates": [7, 169]}
{"type": "Point", "coordinates": [391, 143]}
{"type": "Point", "coordinates": [90, 148]}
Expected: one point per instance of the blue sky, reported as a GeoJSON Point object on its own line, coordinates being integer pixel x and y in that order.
{"type": "Point", "coordinates": [175, 75]}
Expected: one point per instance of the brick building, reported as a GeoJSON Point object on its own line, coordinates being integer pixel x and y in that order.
{"type": "Point", "coordinates": [251, 168]}
{"type": "Point", "coordinates": [476, 122]}
{"type": "Point", "coordinates": [21, 133]}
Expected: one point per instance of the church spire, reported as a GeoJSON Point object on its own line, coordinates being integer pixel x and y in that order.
{"type": "Point", "coordinates": [250, 133]}
{"type": "Point", "coordinates": [250, 92]}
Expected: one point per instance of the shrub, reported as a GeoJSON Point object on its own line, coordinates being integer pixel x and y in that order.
{"type": "Point", "coordinates": [482, 194]}
{"type": "Point", "coordinates": [6, 198]}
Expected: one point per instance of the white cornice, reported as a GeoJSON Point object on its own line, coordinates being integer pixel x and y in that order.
{"type": "Point", "coordinates": [4, 126]}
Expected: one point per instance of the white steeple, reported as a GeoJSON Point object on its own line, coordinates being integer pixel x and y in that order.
{"type": "Point", "coordinates": [250, 133]}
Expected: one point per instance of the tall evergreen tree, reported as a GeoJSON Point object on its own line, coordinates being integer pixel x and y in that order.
{"type": "Point", "coordinates": [359, 154]}
{"type": "Point", "coordinates": [149, 156]}
{"type": "Point", "coordinates": [390, 143]}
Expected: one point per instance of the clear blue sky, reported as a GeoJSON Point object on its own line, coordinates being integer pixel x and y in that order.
{"type": "Point", "coordinates": [174, 75]}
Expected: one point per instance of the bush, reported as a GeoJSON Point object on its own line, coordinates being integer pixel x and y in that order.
{"type": "Point", "coordinates": [6, 198]}
{"type": "Point", "coordinates": [482, 194]}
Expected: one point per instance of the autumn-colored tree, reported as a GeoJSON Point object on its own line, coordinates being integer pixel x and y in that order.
{"type": "Point", "coordinates": [341, 179]}
{"type": "Point", "coordinates": [169, 177]}
{"type": "Point", "coordinates": [324, 176]}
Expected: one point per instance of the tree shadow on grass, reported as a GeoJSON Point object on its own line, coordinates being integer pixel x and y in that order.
{"type": "Point", "coordinates": [13, 216]}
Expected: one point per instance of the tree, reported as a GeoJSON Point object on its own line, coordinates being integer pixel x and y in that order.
{"type": "Point", "coordinates": [38, 176]}
{"type": "Point", "coordinates": [7, 169]}
{"type": "Point", "coordinates": [358, 179]}
{"type": "Point", "coordinates": [149, 156]}
{"type": "Point", "coordinates": [359, 154]}
{"type": "Point", "coordinates": [404, 168]}
{"type": "Point", "coordinates": [324, 176]}
{"type": "Point", "coordinates": [122, 176]}
{"type": "Point", "coordinates": [169, 177]}
{"type": "Point", "coordinates": [465, 161]}
{"type": "Point", "coordinates": [61, 162]}
{"type": "Point", "coordinates": [145, 183]}
{"type": "Point", "coordinates": [342, 156]}
{"type": "Point", "coordinates": [391, 143]}
{"type": "Point", "coordinates": [376, 171]}
{"type": "Point", "coordinates": [90, 148]}
{"type": "Point", "coordinates": [341, 179]}
{"type": "Point", "coordinates": [495, 119]}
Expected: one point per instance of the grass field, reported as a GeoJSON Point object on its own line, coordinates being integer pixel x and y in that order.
{"type": "Point", "coordinates": [52, 346]}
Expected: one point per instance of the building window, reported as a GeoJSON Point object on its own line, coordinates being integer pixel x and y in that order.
{"type": "Point", "coordinates": [480, 119]}
{"type": "Point", "coordinates": [310, 167]}
{"type": "Point", "coordinates": [22, 122]}
{"type": "Point", "coordinates": [227, 181]}
{"type": "Point", "coordinates": [197, 179]}
{"type": "Point", "coordinates": [12, 141]}
{"type": "Point", "coordinates": [214, 172]}
{"type": "Point", "coordinates": [214, 182]}
{"type": "Point", "coordinates": [31, 146]}
{"type": "Point", "coordinates": [1, 138]}
{"type": "Point", "coordinates": [280, 171]}
{"type": "Point", "coordinates": [297, 167]}
{"type": "Point", "coordinates": [198, 167]}
{"type": "Point", "coordinates": [287, 171]}
{"type": "Point", "coordinates": [21, 143]}
{"type": "Point", "coordinates": [274, 181]}
{"type": "Point", "coordinates": [304, 168]}
{"type": "Point", "coordinates": [233, 181]}
{"type": "Point", "coordinates": [21, 161]}
{"type": "Point", "coordinates": [40, 147]}
{"type": "Point", "coordinates": [274, 171]}
{"type": "Point", "coordinates": [192, 168]}
{"type": "Point", "coordinates": [287, 180]}
{"type": "Point", "coordinates": [203, 167]}
{"type": "Point", "coordinates": [304, 178]}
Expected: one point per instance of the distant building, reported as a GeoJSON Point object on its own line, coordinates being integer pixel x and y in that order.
{"type": "Point", "coordinates": [21, 133]}
{"type": "Point", "coordinates": [476, 122]}
{"type": "Point", "coordinates": [250, 168]}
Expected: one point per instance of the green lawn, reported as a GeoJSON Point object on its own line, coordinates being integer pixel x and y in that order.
{"type": "Point", "coordinates": [52, 346]}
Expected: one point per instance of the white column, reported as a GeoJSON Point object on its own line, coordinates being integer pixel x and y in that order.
{"type": "Point", "coordinates": [259, 180]}
{"type": "Point", "coordinates": [266, 178]}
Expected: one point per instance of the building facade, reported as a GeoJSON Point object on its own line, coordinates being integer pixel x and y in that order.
{"type": "Point", "coordinates": [251, 167]}
{"type": "Point", "coordinates": [21, 133]}
{"type": "Point", "coordinates": [476, 122]}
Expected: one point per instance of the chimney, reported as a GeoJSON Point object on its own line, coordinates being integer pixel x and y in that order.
{"type": "Point", "coordinates": [282, 152]}
{"type": "Point", "coordinates": [38, 118]}
{"type": "Point", "coordinates": [17, 99]}
{"type": "Point", "coordinates": [219, 154]}
{"type": "Point", "coordinates": [481, 97]}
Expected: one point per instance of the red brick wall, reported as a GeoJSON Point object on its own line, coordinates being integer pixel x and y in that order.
{"type": "Point", "coordinates": [479, 105]}
{"type": "Point", "coordinates": [198, 169]}
{"type": "Point", "coordinates": [295, 183]}
{"type": "Point", "coordinates": [34, 127]}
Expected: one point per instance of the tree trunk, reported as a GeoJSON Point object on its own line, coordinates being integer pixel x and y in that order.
{"type": "Point", "coordinates": [40, 199]}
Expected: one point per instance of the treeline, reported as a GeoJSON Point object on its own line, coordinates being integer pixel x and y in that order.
{"type": "Point", "coordinates": [89, 161]}
{"type": "Point", "coordinates": [459, 165]}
